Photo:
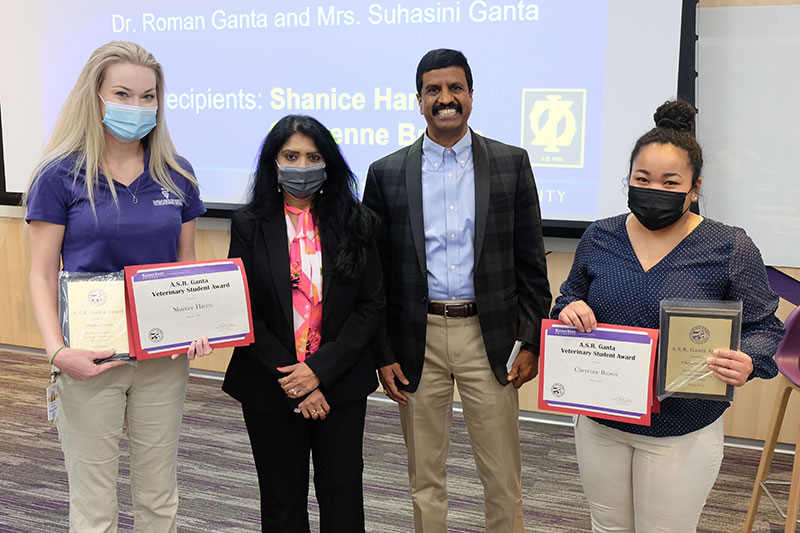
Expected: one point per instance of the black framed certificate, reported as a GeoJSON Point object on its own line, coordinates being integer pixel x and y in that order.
{"type": "Point", "coordinates": [92, 312]}
{"type": "Point", "coordinates": [690, 331]}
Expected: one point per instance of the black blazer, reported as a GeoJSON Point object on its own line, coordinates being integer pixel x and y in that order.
{"type": "Point", "coordinates": [350, 313]}
{"type": "Point", "coordinates": [510, 275]}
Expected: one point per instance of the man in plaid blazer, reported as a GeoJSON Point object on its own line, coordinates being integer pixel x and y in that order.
{"type": "Point", "coordinates": [465, 276]}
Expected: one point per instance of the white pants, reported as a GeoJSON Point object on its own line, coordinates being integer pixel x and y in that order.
{"type": "Point", "coordinates": [646, 484]}
{"type": "Point", "coordinates": [149, 399]}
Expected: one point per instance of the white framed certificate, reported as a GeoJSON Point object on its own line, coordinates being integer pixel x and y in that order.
{"type": "Point", "coordinates": [172, 304]}
{"type": "Point", "coordinates": [605, 373]}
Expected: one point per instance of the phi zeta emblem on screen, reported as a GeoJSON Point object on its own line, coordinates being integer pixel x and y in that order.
{"type": "Point", "coordinates": [553, 123]}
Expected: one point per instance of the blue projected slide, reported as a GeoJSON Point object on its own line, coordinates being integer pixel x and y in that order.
{"type": "Point", "coordinates": [234, 68]}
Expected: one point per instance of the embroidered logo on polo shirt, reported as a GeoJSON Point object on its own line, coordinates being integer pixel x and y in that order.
{"type": "Point", "coordinates": [167, 200]}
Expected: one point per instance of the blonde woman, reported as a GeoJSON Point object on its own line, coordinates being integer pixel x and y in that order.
{"type": "Point", "coordinates": [96, 203]}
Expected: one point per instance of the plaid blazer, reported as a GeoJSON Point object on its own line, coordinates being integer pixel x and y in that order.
{"type": "Point", "coordinates": [510, 274]}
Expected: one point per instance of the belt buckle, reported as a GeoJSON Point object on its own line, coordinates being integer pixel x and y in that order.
{"type": "Point", "coordinates": [448, 306]}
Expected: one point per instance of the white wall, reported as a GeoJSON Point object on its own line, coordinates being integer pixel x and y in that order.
{"type": "Point", "coordinates": [749, 123]}
{"type": "Point", "coordinates": [20, 98]}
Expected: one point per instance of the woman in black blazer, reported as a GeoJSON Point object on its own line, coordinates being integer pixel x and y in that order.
{"type": "Point", "coordinates": [303, 383]}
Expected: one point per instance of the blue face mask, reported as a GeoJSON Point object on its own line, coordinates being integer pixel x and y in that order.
{"type": "Point", "coordinates": [128, 123]}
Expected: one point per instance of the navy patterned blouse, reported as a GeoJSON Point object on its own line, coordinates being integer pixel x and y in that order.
{"type": "Point", "coordinates": [714, 262]}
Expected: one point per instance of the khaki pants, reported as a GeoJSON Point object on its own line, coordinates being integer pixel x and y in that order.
{"type": "Point", "coordinates": [149, 399]}
{"type": "Point", "coordinates": [454, 351]}
{"type": "Point", "coordinates": [647, 484]}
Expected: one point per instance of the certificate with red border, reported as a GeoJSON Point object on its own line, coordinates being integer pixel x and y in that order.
{"type": "Point", "coordinates": [605, 373]}
{"type": "Point", "coordinates": [172, 304]}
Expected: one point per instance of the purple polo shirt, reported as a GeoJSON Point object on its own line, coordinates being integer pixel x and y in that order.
{"type": "Point", "coordinates": [121, 234]}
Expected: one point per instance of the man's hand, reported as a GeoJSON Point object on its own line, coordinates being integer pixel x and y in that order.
{"type": "Point", "coordinates": [524, 368]}
{"type": "Point", "coordinates": [387, 375]}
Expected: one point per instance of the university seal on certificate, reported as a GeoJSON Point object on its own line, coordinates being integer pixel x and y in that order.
{"type": "Point", "coordinates": [690, 331]}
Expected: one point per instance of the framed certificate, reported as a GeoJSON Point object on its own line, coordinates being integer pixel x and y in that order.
{"type": "Point", "coordinates": [690, 330]}
{"type": "Point", "coordinates": [92, 312]}
{"type": "Point", "coordinates": [605, 373]}
{"type": "Point", "coordinates": [172, 304]}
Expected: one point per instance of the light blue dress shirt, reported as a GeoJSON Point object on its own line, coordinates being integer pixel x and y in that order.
{"type": "Point", "coordinates": [448, 207]}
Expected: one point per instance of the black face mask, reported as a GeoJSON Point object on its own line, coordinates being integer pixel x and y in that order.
{"type": "Point", "coordinates": [301, 182]}
{"type": "Point", "coordinates": [656, 208]}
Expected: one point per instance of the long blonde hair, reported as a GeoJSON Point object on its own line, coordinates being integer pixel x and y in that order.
{"type": "Point", "coordinates": [79, 132]}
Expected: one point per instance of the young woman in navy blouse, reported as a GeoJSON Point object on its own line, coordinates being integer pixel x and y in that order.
{"type": "Point", "coordinates": [111, 191]}
{"type": "Point", "coordinates": [657, 478]}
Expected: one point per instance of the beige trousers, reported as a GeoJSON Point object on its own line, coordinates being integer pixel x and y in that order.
{"type": "Point", "coordinates": [454, 352]}
{"type": "Point", "coordinates": [148, 399]}
{"type": "Point", "coordinates": [636, 483]}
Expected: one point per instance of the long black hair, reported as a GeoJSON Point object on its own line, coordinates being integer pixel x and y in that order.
{"type": "Point", "coordinates": [346, 227]}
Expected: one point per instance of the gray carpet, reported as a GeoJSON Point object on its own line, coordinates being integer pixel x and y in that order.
{"type": "Point", "coordinates": [219, 491]}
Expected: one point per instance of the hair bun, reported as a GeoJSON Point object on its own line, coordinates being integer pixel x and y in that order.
{"type": "Point", "coordinates": [675, 115]}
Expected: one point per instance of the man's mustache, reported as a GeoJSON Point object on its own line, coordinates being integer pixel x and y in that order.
{"type": "Point", "coordinates": [452, 105]}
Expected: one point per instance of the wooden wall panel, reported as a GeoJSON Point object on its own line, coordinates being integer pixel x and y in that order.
{"type": "Point", "coordinates": [747, 418]}
{"type": "Point", "coordinates": [17, 323]}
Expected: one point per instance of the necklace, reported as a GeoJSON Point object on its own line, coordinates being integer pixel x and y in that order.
{"type": "Point", "coordinates": [133, 193]}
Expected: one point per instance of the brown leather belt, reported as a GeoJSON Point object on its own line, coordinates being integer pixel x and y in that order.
{"type": "Point", "coordinates": [461, 310]}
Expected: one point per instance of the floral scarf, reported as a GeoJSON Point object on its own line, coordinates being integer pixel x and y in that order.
{"type": "Point", "coordinates": [305, 267]}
